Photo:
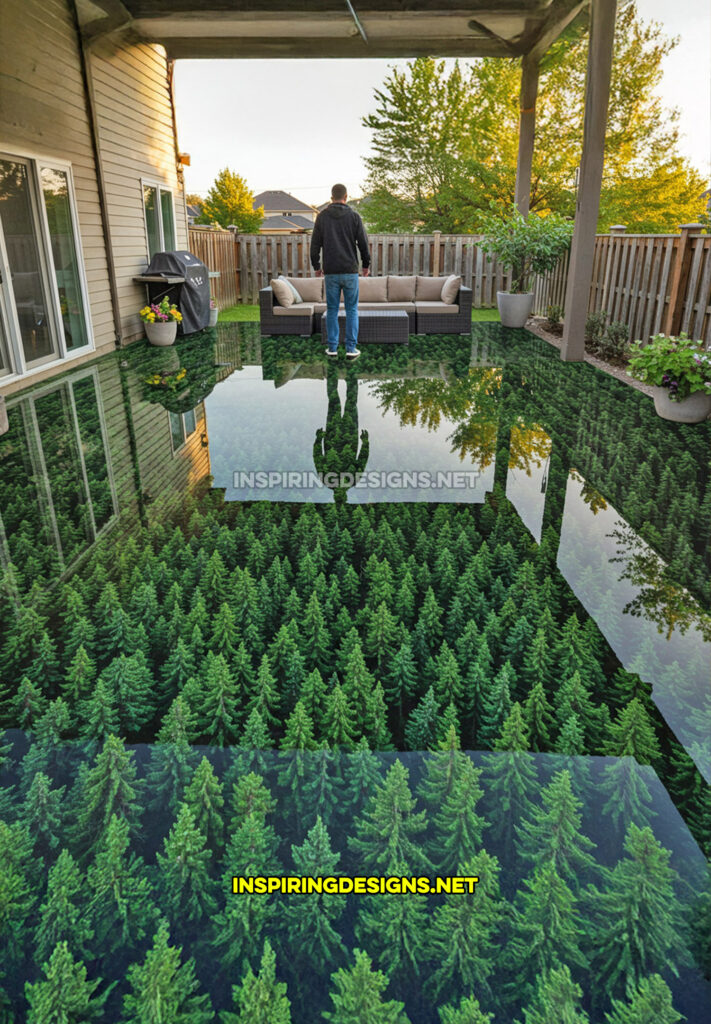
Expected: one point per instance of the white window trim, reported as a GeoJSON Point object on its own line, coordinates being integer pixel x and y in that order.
{"type": "Point", "coordinates": [159, 186]}
{"type": "Point", "coordinates": [186, 435]}
{"type": "Point", "coordinates": [16, 356]}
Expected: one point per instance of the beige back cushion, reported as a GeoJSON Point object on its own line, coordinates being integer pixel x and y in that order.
{"type": "Point", "coordinates": [429, 289]}
{"type": "Point", "coordinates": [401, 289]}
{"type": "Point", "coordinates": [450, 288]}
{"type": "Point", "coordinates": [309, 288]}
{"type": "Point", "coordinates": [283, 293]}
{"type": "Point", "coordinates": [373, 289]}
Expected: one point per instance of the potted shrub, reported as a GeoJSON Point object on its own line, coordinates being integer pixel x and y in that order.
{"type": "Point", "coordinates": [161, 321]}
{"type": "Point", "coordinates": [679, 370]}
{"type": "Point", "coordinates": [214, 313]}
{"type": "Point", "coordinates": [526, 246]}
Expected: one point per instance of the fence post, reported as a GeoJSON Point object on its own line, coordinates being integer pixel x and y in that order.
{"type": "Point", "coordinates": [238, 282]}
{"type": "Point", "coordinates": [435, 254]}
{"type": "Point", "coordinates": [679, 278]}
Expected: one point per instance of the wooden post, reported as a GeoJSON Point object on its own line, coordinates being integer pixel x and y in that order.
{"type": "Point", "coordinates": [238, 282]}
{"type": "Point", "coordinates": [526, 132]}
{"type": "Point", "coordinates": [618, 229]}
{"type": "Point", "coordinates": [597, 95]}
{"type": "Point", "coordinates": [435, 254]}
{"type": "Point", "coordinates": [679, 278]}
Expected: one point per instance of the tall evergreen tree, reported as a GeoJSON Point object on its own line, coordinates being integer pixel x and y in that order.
{"type": "Point", "coordinates": [108, 789]}
{"type": "Point", "coordinates": [64, 995]}
{"type": "Point", "coordinates": [468, 1012]}
{"type": "Point", "coordinates": [511, 777]}
{"type": "Point", "coordinates": [186, 886]}
{"type": "Point", "coordinates": [260, 999]}
{"type": "Point", "coordinates": [386, 833]}
{"type": "Point", "coordinates": [62, 914]}
{"type": "Point", "coordinates": [552, 835]}
{"type": "Point", "coordinates": [203, 796]}
{"type": "Point", "coordinates": [392, 927]}
{"type": "Point", "coordinates": [163, 988]}
{"type": "Point", "coordinates": [422, 728]}
{"type": "Point", "coordinates": [557, 999]}
{"type": "Point", "coordinates": [357, 996]}
{"type": "Point", "coordinates": [217, 712]}
{"type": "Point", "coordinates": [650, 1003]}
{"type": "Point", "coordinates": [458, 827]}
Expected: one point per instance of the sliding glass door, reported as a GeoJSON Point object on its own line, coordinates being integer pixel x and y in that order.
{"type": "Point", "coordinates": [42, 291]}
{"type": "Point", "coordinates": [28, 285]}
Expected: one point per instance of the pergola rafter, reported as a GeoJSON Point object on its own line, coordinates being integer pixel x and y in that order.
{"type": "Point", "coordinates": [403, 28]}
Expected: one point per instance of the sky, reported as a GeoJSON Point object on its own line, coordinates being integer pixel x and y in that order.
{"type": "Point", "coordinates": [296, 124]}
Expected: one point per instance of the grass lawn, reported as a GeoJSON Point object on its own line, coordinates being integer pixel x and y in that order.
{"type": "Point", "coordinates": [242, 313]}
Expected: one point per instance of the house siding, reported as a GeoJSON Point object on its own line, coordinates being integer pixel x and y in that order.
{"type": "Point", "coordinates": [44, 112]}
{"type": "Point", "coordinates": [137, 141]}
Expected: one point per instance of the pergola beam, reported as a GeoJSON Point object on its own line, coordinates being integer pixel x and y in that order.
{"type": "Point", "coordinates": [587, 206]}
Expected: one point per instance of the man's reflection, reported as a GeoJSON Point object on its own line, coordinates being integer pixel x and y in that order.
{"type": "Point", "coordinates": [337, 449]}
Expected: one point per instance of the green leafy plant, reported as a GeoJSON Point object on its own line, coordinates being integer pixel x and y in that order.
{"type": "Point", "coordinates": [680, 364]}
{"type": "Point", "coordinates": [554, 317]}
{"type": "Point", "coordinates": [527, 246]}
{"type": "Point", "coordinates": [595, 326]}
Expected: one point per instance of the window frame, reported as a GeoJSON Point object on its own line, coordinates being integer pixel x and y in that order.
{"type": "Point", "coordinates": [186, 435]}
{"type": "Point", "coordinates": [159, 187]}
{"type": "Point", "coordinates": [18, 368]}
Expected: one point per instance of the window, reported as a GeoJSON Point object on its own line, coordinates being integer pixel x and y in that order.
{"type": "Point", "coordinates": [182, 425]}
{"type": "Point", "coordinates": [44, 309]}
{"type": "Point", "coordinates": [160, 220]}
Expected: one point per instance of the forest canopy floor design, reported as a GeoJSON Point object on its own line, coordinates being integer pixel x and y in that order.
{"type": "Point", "coordinates": [197, 684]}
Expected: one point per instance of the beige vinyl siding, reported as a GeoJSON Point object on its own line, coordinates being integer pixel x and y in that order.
{"type": "Point", "coordinates": [43, 113]}
{"type": "Point", "coordinates": [137, 142]}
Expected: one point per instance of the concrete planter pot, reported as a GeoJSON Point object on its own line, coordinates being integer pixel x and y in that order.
{"type": "Point", "coordinates": [214, 313]}
{"type": "Point", "coordinates": [162, 333]}
{"type": "Point", "coordinates": [514, 309]}
{"type": "Point", "coordinates": [693, 409]}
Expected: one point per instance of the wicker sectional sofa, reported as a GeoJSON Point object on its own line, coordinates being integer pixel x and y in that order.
{"type": "Point", "coordinates": [420, 297]}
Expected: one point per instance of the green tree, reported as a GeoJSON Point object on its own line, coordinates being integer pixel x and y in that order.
{"type": "Point", "coordinates": [357, 996]}
{"type": "Point", "coordinates": [650, 1003]}
{"type": "Point", "coordinates": [339, 718]}
{"type": "Point", "coordinates": [386, 833]}
{"type": "Point", "coordinates": [120, 904]}
{"type": "Point", "coordinates": [392, 927]}
{"type": "Point", "coordinates": [164, 989]}
{"type": "Point", "coordinates": [107, 789]}
{"type": "Point", "coordinates": [637, 917]}
{"type": "Point", "coordinates": [458, 827]}
{"type": "Point", "coordinates": [538, 719]}
{"type": "Point", "coordinates": [557, 999]}
{"type": "Point", "coordinates": [552, 835]}
{"type": "Point", "coordinates": [261, 999]}
{"type": "Point", "coordinates": [203, 796]}
{"type": "Point", "coordinates": [42, 814]}
{"type": "Point", "coordinates": [99, 713]}
{"type": "Point", "coordinates": [422, 728]}
{"type": "Point", "coordinates": [310, 919]}
{"type": "Point", "coordinates": [62, 914]}
{"type": "Point", "coordinates": [229, 202]}
{"type": "Point", "coordinates": [64, 995]}
{"type": "Point", "coordinates": [183, 871]}
{"type": "Point", "coordinates": [462, 939]}
{"type": "Point", "coordinates": [511, 777]}
{"type": "Point", "coordinates": [468, 1012]}
{"type": "Point", "coordinates": [217, 713]}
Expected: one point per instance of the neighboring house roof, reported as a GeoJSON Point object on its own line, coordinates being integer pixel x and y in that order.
{"type": "Point", "coordinates": [193, 210]}
{"type": "Point", "coordinates": [286, 224]}
{"type": "Point", "coordinates": [275, 201]}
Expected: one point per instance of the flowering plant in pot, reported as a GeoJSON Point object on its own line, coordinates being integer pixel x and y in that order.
{"type": "Point", "coordinates": [526, 246]}
{"type": "Point", "coordinates": [214, 312]}
{"type": "Point", "coordinates": [679, 371]}
{"type": "Point", "coordinates": [161, 320]}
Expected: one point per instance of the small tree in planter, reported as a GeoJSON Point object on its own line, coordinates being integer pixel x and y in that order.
{"type": "Point", "coordinates": [161, 320]}
{"type": "Point", "coordinates": [526, 246]}
{"type": "Point", "coordinates": [679, 370]}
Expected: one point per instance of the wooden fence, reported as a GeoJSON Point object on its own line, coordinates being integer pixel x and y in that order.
{"type": "Point", "coordinates": [650, 282]}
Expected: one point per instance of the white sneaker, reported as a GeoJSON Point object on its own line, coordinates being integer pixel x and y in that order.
{"type": "Point", "coordinates": [331, 352]}
{"type": "Point", "coordinates": [354, 354]}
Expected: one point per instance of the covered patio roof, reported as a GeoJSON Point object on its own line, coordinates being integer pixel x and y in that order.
{"type": "Point", "coordinates": [337, 28]}
{"type": "Point", "coordinates": [522, 29]}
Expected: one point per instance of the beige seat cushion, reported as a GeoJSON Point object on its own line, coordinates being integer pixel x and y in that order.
{"type": "Point", "coordinates": [436, 307]}
{"type": "Point", "coordinates": [309, 288]}
{"type": "Point", "coordinates": [298, 309]}
{"type": "Point", "coordinates": [401, 289]}
{"type": "Point", "coordinates": [409, 307]}
{"type": "Point", "coordinates": [282, 293]}
{"type": "Point", "coordinates": [373, 289]}
{"type": "Point", "coordinates": [429, 289]}
{"type": "Point", "coordinates": [450, 288]}
{"type": "Point", "coordinates": [319, 307]}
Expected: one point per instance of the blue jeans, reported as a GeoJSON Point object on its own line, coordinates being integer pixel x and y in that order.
{"type": "Point", "coordinates": [335, 283]}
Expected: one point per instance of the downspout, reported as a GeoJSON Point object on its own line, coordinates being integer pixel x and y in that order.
{"type": "Point", "coordinates": [90, 103]}
{"type": "Point", "coordinates": [180, 174]}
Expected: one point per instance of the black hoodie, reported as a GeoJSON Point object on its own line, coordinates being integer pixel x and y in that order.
{"type": "Point", "coordinates": [338, 231]}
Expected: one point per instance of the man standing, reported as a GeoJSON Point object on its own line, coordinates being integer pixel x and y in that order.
{"type": "Point", "coordinates": [340, 233]}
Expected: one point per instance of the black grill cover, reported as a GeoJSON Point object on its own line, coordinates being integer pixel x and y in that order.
{"type": "Point", "coordinates": [191, 298]}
